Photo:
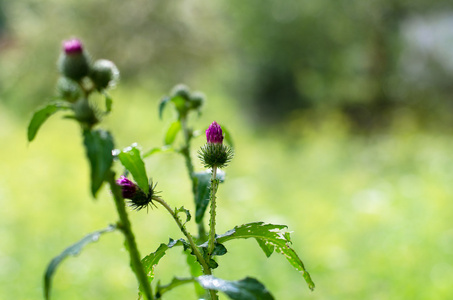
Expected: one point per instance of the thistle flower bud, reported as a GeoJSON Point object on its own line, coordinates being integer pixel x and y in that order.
{"type": "Point", "coordinates": [104, 74]}
{"type": "Point", "coordinates": [180, 90]}
{"type": "Point", "coordinates": [137, 197]}
{"type": "Point", "coordinates": [128, 188]}
{"type": "Point", "coordinates": [197, 100]}
{"type": "Point", "coordinates": [85, 113]}
{"type": "Point", "coordinates": [214, 153]}
{"type": "Point", "coordinates": [73, 62]}
{"type": "Point", "coordinates": [214, 133]}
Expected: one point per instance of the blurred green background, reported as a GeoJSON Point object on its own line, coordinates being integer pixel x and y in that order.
{"type": "Point", "coordinates": [341, 116]}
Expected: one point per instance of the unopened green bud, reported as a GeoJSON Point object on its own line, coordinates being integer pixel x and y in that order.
{"type": "Point", "coordinates": [74, 63]}
{"type": "Point", "coordinates": [68, 89]}
{"type": "Point", "coordinates": [85, 113]}
{"type": "Point", "coordinates": [197, 100]}
{"type": "Point", "coordinates": [104, 74]}
{"type": "Point", "coordinates": [180, 90]}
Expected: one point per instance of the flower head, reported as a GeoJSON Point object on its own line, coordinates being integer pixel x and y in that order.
{"type": "Point", "coordinates": [214, 153]}
{"type": "Point", "coordinates": [72, 46]}
{"type": "Point", "coordinates": [214, 134]}
{"type": "Point", "coordinates": [128, 188]}
{"type": "Point", "coordinates": [74, 62]}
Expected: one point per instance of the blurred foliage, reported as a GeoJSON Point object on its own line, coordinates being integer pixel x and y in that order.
{"type": "Point", "coordinates": [371, 216]}
{"type": "Point", "coordinates": [362, 58]}
{"type": "Point", "coordinates": [344, 55]}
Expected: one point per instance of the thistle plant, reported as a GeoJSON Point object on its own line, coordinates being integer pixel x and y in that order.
{"type": "Point", "coordinates": [80, 79]}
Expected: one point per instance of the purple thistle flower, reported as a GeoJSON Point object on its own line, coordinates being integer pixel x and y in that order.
{"type": "Point", "coordinates": [73, 46]}
{"type": "Point", "coordinates": [214, 134]}
{"type": "Point", "coordinates": [128, 188]}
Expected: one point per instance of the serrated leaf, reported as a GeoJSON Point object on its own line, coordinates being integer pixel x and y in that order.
{"type": "Point", "coordinates": [270, 234]}
{"type": "Point", "coordinates": [162, 105]}
{"type": "Point", "coordinates": [150, 261]}
{"type": "Point", "coordinates": [41, 115]}
{"type": "Point", "coordinates": [245, 289]}
{"type": "Point", "coordinates": [203, 182]}
{"type": "Point", "coordinates": [172, 131]}
{"type": "Point", "coordinates": [131, 159]}
{"type": "Point", "coordinates": [72, 250]}
{"type": "Point", "coordinates": [98, 146]}
{"type": "Point", "coordinates": [158, 150]}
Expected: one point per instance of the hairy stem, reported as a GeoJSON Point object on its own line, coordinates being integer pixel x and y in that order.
{"type": "Point", "coordinates": [214, 185]}
{"type": "Point", "coordinates": [186, 153]}
{"type": "Point", "coordinates": [182, 227]}
{"type": "Point", "coordinates": [125, 226]}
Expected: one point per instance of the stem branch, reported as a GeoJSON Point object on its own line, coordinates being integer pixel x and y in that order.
{"type": "Point", "coordinates": [182, 227]}
{"type": "Point", "coordinates": [186, 153]}
{"type": "Point", "coordinates": [125, 226]}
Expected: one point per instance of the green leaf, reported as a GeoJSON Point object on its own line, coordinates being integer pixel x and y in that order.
{"type": "Point", "coordinates": [202, 184]}
{"type": "Point", "coordinates": [245, 289]}
{"type": "Point", "coordinates": [130, 158]}
{"type": "Point", "coordinates": [158, 150]}
{"type": "Point", "coordinates": [150, 261]}
{"type": "Point", "coordinates": [269, 236]}
{"type": "Point", "coordinates": [162, 289]}
{"type": "Point", "coordinates": [108, 102]}
{"type": "Point", "coordinates": [41, 115]}
{"type": "Point", "coordinates": [186, 211]}
{"type": "Point", "coordinates": [267, 248]}
{"type": "Point", "coordinates": [172, 131]}
{"type": "Point", "coordinates": [195, 271]}
{"type": "Point", "coordinates": [99, 146]}
{"type": "Point", "coordinates": [162, 105]}
{"type": "Point", "coordinates": [227, 134]}
{"type": "Point", "coordinates": [72, 250]}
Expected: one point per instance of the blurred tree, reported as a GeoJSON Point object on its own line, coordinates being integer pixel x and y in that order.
{"type": "Point", "coordinates": [340, 55]}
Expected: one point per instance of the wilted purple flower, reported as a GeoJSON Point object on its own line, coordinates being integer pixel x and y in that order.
{"type": "Point", "coordinates": [128, 188]}
{"type": "Point", "coordinates": [73, 46]}
{"type": "Point", "coordinates": [214, 134]}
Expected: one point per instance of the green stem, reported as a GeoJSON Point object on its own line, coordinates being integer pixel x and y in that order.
{"type": "Point", "coordinates": [214, 185]}
{"type": "Point", "coordinates": [182, 227]}
{"type": "Point", "coordinates": [125, 226]}
{"type": "Point", "coordinates": [186, 153]}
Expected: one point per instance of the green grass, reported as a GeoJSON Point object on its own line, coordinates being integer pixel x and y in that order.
{"type": "Point", "coordinates": [370, 216]}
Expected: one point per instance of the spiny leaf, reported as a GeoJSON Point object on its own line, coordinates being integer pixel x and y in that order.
{"type": "Point", "coordinates": [99, 146]}
{"type": "Point", "coordinates": [269, 235]}
{"type": "Point", "coordinates": [41, 115]}
{"type": "Point", "coordinates": [72, 250]}
{"type": "Point", "coordinates": [131, 159]}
